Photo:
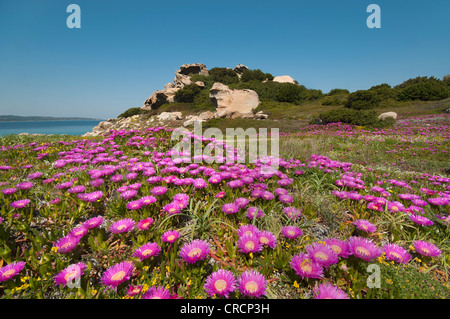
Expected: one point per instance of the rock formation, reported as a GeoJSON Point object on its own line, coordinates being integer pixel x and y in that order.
{"type": "Point", "coordinates": [233, 103]}
{"type": "Point", "coordinates": [387, 115]}
{"type": "Point", "coordinates": [284, 79]}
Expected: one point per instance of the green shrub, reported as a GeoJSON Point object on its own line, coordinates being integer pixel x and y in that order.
{"type": "Point", "coordinates": [131, 112]}
{"type": "Point", "coordinates": [333, 101]}
{"type": "Point", "coordinates": [338, 91]}
{"type": "Point", "coordinates": [424, 91]}
{"type": "Point", "coordinates": [255, 75]}
{"type": "Point", "coordinates": [291, 93]}
{"type": "Point", "coordinates": [362, 100]}
{"type": "Point", "coordinates": [355, 117]}
{"type": "Point", "coordinates": [188, 93]}
{"type": "Point", "coordinates": [224, 75]}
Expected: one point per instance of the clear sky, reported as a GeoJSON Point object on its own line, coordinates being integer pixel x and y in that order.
{"type": "Point", "coordinates": [126, 50]}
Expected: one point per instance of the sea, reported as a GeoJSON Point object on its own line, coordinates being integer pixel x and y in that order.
{"type": "Point", "coordinates": [48, 127]}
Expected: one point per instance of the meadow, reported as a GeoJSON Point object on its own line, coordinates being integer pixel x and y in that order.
{"type": "Point", "coordinates": [351, 212]}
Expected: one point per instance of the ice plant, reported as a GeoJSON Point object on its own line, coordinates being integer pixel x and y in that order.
{"type": "Point", "coordinates": [421, 220]}
{"type": "Point", "coordinates": [230, 208]}
{"type": "Point", "coordinates": [66, 243]}
{"type": "Point", "coordinates": [70, 273]}
{"type": "Point", "coordinates": [122, 225]}
{"type": "Point", "coordinates": [252, 284]}
{"type": "Point", "coordinates": [170, 236]}
{"type": "Point", "coordinates": [363, 248]}
{"type": "Point", "coordinates": [221, 283]}
{"type": "Point", "coordinates": [147, 250]}
{"type": "Point", "coordinates": [266, 238]}
{"type": "Point", "coordinates": [322, 254]}
{"type": "Point", "coordinates": [21, 203]}
{"type": "Point", "coordinates": [93, 222]}
{"type": "Point", "coordinates": [365, 225]}
{"type": "Point", "coordinates": [291, 232]}
{"type": "Point", "coordinates": [194, 251]}
{"type": "Point", "coordinates": [328, 291]}
{"type": "Point", "coordinates": [117, 274]}
{"type": "Point", "coordinates": [145, 224]}
{"type": "Point", "coordinates": [305, 267]}
{"type": "Point", "coordinates": [249, 243]}
{"type": "Point", "coordinates": [427, 249]}
{"type": "Point", "coordinates": [396, 253]}
{"type": "Point", "coordinates": [11, 270]}
{"type": "Point", "coordinates": [157, 293]}
{"type": "Point", "coordinates": [340, 247]}
{"type": "Point", "coordinates": [247, 229]}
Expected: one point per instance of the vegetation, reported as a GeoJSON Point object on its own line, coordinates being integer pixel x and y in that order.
{"type": "Point", "coordinates": [131, 112]}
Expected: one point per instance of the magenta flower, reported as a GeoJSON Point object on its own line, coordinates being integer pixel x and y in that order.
{"type": "Point", "coordinates": [93, 222]}
{"type": "Point", "coordinates": [396, 253]}
{"type": "Point", "coordinates": [128, 194]}
{"type": "Point", "coordinates": [117, 274]}
{"type": "Point", "coordinates": [426, 249]}
{"type": "Point", "coordinates": [66, 243]}
{"type": "Point", "coordinates": [134, 205]}
{"type": "Point", "coordinates": [194, 251]}
{"type": "Point", "coordinates": [121, 226]}
{"type": "Point", "coordinates": [375, 206]}
{"type": "Point", "coordinates": [172, 208]}
{"type": "Point", "coordinates": [157, 293]}
{"type": "Point", "coordinates": [221, 282]}
{"type": "Point", "coordinates": [170, 236]}
{"type": "Point", "coordinates": [76, 189]}
{"type": "Point", "coordinates": [11, 270]}
{"type": "Point", "coordinates": [20, 203]}
{"type": "Point", "coordinates": [395, 206]}
{"type": "Point", "coordinates": [286, 199]}
{"type": "Point", "coordinates": [199, 183]}
{"type": "Point", "coordinates": [70, 273]}
{"type": "Point", "coordinates": [24, 185]}
{"type": "Point", "coordinates": [292, 212]}
{"type": "Point", "coordinates": [291, 232]}
{"type": "Point", "coordinates": [363, 248]}
{"type": "Point", "coordinates": [145, 223]}
{"type": "Point", "coordinates": [134, 290]}
{"type": "Point", "coordinates": [247, 229]}
{"type": "Point", "coordinates": [340, 247]}
{"type": "Point", "coordinates": [266, 238]}
{"type": "Point", "coordinates": [91, 197]}
{"type": "Point", "coordinates": [421, 220]}
{"type": "Point", "coordinates": [241, 202]}
{"type": "Point", "coordinates": [328, 291]}
{"type": "Point", "coordinates": [79, 231]}
{"type": "Point", "coordinates": [9, 191]}
{"type": "Point", "coordinates": [230, 208]}
{"type": "Point", "coordinates": [365, 225]}
{"type": "Point", "coordinates": [249, 243]}
{"type": "Point", "coordinates": [305, 267]}
{"type": "Point", "coordinates": [147, 250]}
{"type": "Point", "coordinates": [322, 254]}
{"type": "Point", "coordinates": [254, 212]}
{"type": "Point", "coordinates": [252, 284]}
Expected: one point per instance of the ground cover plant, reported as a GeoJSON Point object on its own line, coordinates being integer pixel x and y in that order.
{"type": "Point", "coordinates": [351, 212]}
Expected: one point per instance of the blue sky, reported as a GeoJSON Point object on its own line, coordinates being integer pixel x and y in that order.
{"type": "Point", "coordinates": [126, 50]}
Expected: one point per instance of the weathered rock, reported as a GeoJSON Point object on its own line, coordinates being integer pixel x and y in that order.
{"type": "Point", "coordinates": [383, 116]}
{"type": "Point", "coordinates": [261, 116]}
{"type": "Point", "coordinates": [284, 79]}
{"type": "Point", "coordinates": [228, 102]}
{"type": "Point", "coordinates": [182, 75]}
{"type": "Point", "coordinates": [159, 98]}
{"type": "Point", "coordinates": [191, 119]}
{"type": "Point", "coordinates": [170, 116]}
{"type": "Point", "coordinates": [206, 115]}
{"type": "Point", "coordinates": [239, 69]}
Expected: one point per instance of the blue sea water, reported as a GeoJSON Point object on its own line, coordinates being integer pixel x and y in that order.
{"type": "Point", "coordinates": [47, 127]}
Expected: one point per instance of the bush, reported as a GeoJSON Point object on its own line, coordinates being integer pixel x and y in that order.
{"type": "Point", "coordinates": [224, 75]}
{"type": "Point", "coordinates": [384, 91]}
{"type": "Point", "coordinates": [188, 93]}
{"type": "Point", "coordinates": [333, 101]}
{"type": "Point", "coordinates": [355, 117]}
{"type": "Point", "coordinates": [255, 75]}
{"type": "Point", "coordinates": [131, 112]}
{"type": "Point", "coordinates": [362, 100]}
{"type": "Point", "coordinates": [338, 91]}
{"type": "Point", "coordinates": [291, 93]}
{"type": "Point", "coordinates": [424, 91]}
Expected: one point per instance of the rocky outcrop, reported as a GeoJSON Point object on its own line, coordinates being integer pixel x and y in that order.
{"type": "Point", "coordinates": [160, 97]}
{"type": "Point", "coordinates": [170, 116]}
{"type": "Point", "coordinates": [386, 115]}
{"type": "Point", "coordinates": [239, 69]}
{"type": "Point", "coordinates": [233, 103]}
{"type": "Point", "coordinates": [284, 79]}
{"type": "Point", "coordinates": [183, 75]}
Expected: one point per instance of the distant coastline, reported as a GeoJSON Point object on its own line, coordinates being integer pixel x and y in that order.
{"type": "Point", "coordinates": [18, 118]}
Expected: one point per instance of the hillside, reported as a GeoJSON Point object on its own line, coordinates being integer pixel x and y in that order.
{"type": "Point", "coordinates": [243, 96]}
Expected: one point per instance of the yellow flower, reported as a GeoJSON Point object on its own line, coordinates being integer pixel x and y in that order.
{"type": "Point", "coordinates": [54, 249]}
{"type": "Point", "coordinates": [296, 285]}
